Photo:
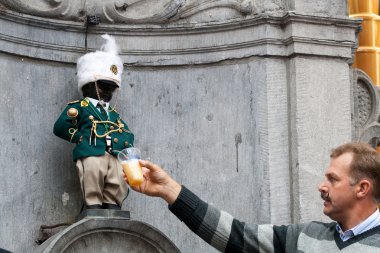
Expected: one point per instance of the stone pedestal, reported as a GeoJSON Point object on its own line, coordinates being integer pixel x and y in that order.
{"type": "Point", "coordinates": [108, 231]}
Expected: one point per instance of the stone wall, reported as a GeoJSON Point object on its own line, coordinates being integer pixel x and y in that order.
{"type": "Point", "coordinates": [238, 100]}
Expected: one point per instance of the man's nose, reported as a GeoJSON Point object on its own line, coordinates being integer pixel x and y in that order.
{"type": "Point", "coordinates": [322, 187]}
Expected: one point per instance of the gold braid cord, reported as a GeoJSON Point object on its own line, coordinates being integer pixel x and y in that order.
{"type": "Point", "coordinates": [96, 122]}
{"type": "Point", "coordinates": [72, 131]}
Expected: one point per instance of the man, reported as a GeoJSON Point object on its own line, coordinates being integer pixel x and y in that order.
{"type": "Point", "coordinates": [97, 129]}
{"type": "Point", "coordinates": [350, 190]}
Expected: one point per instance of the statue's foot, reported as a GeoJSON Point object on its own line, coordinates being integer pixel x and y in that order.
{"type": "Point", "coordinates": [111, 206]}
{"type": "Point", "coordinates": [93, 207]}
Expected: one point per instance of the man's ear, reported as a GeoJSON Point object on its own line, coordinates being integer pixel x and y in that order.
{"type": "Point", "coordinates": [364, 188]}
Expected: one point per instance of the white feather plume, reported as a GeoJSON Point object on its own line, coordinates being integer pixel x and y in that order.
{"type": "Point", "coordinates": [110, 45]}
{"type": "Point", "coordinates": [104, 64]}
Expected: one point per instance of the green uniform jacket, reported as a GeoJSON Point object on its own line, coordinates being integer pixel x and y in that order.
{"type": "Point", "coordinates": [78, 130]}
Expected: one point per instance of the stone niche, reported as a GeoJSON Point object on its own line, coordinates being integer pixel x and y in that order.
{"type": "Point", "coordinates": [366, 110]}
{"type": "Point", "coordinates": [239, 100]}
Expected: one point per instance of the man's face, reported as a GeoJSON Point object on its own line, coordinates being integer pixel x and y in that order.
{"type": "Point", "coordinates": [337, 190]}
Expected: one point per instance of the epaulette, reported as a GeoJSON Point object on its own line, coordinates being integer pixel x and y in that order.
{"type": "Point", "coordinates": [73, 102]}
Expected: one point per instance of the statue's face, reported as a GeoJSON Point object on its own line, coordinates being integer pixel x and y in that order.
{"type": "Point", "coordinates": [105, 88]}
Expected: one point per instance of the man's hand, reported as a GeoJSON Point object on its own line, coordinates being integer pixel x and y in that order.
{"type": "Point", "coordinates": [157, 183]}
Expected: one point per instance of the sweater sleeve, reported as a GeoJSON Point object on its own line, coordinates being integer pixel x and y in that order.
{"type": "Point", "coordinates": [222, 231]}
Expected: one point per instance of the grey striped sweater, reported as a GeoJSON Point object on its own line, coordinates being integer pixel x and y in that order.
{"type": "Point", "coordinates": [227, 234]}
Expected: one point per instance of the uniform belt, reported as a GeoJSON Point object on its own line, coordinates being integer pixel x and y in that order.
{"type": "Point", "coordinates": [108, 144]}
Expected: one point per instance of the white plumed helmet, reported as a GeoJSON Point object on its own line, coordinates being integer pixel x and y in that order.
{"type": "Point", "coordinates": [100, 65]}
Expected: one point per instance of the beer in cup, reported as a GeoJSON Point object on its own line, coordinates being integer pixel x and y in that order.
{"type": "Point", "coordinates": [129, 159]}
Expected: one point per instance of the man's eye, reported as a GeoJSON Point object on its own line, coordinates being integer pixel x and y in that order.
{"type": "Point", "coordinates": [331, 179]}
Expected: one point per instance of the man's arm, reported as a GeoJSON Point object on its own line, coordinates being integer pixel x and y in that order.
{"type": "Point", "coordinates": [216, 227]}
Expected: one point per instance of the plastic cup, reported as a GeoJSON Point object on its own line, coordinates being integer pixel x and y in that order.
{"type": "Point", "coordinates": [129, 159]}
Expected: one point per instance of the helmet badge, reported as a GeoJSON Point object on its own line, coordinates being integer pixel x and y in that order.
{"type": "Point", "coordinates": [114, 69]}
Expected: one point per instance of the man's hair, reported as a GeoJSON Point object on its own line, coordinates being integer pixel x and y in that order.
{"type": "Point", "coordinates": [365, 164]}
